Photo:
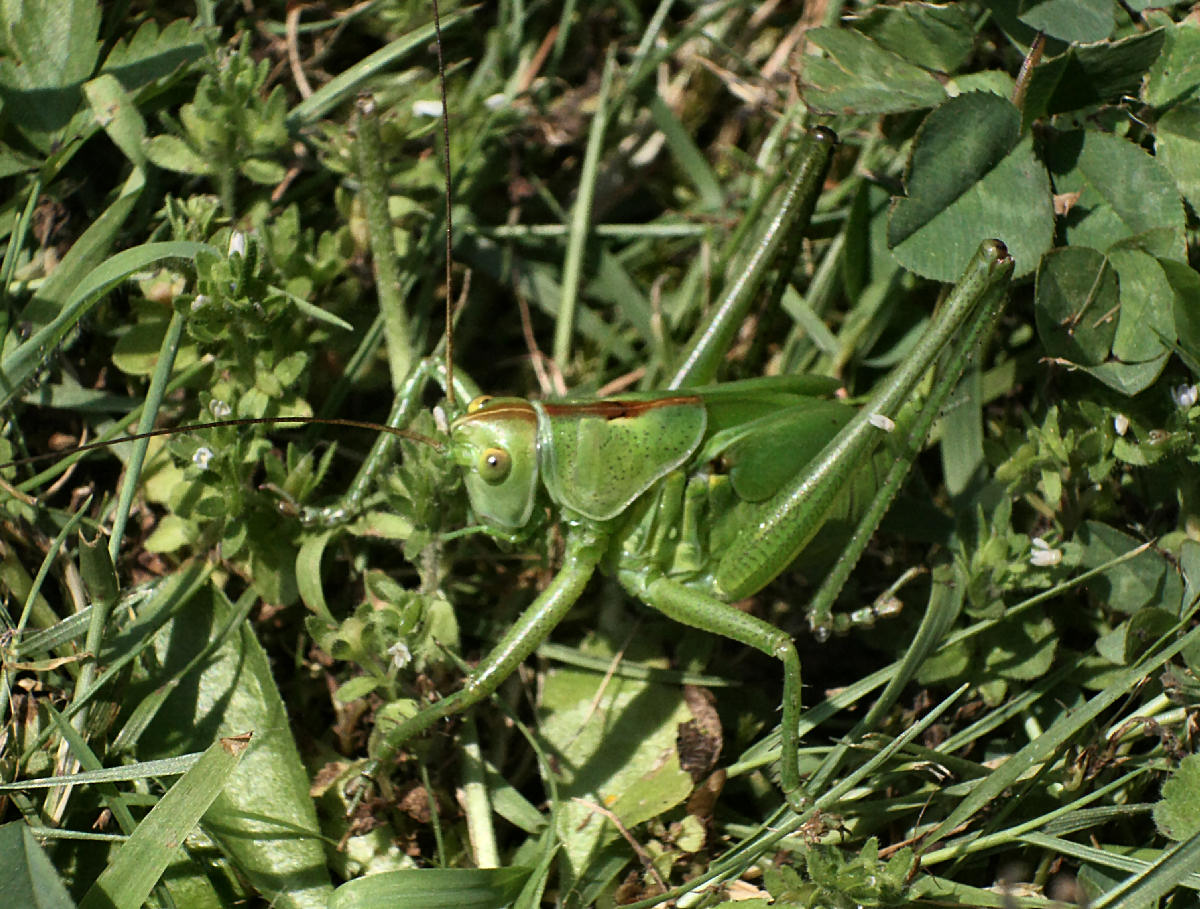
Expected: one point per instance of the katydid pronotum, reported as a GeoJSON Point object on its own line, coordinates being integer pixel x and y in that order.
{"type": "Point", "coordinates": [653, 486]}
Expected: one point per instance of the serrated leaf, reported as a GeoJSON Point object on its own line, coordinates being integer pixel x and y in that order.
{"type": "Point", "coordinates": [1084, 77]}
{"type": "Point", "coordinates": [1177, 813]}
{"type": "Point", "coordinates": [1074, 21]}
{"type": "Point", "coordinates": [936, 36]}
{"type": "Point", "coordinates": [1175, 75]}
{"type": "Point", "coordinates": [859, 76]}
{"type": "Point", "coordinates": [995, 188]}
{"type": "Point", "coordinates": [1122, 191]}
{"type": "Point", "coordinates": [151, 54]}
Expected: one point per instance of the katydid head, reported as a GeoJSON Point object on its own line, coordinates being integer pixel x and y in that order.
{"type": "Point", "coordinates": [495, 443]}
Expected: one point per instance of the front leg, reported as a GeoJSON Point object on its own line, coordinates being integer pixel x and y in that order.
{"type": "Point", "coordinates": [585, 546]}
{"type": "Point", "coordinates": [700, 610]}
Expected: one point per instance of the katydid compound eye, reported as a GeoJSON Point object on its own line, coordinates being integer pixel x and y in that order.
{"type": "Point", "coordinates": [494, 465]}
{"type": "Point", "coordinates": [479, 403]}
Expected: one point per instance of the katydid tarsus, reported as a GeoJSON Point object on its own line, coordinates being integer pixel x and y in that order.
{"type": "Point", "coordinates": [698, 495]}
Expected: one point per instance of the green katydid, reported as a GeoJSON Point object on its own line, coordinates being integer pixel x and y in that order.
{"type": "Point", "coordinates": [654, 486]}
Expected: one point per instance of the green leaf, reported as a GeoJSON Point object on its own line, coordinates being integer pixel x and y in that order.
{"type": "Point", "coordinates": [1085, 77]}
{"type": "Point", "coordinates": [1177, 144]}
{"type": "Point", "coordinates": [861, 76]}
{"type": "Point", "coordinates": [600, 761]}
{"type": "Point", "coordinates": [1145, 580]}
{"type": "Point", "coordinates": [1147, 307]}
{"type": "Point", "coordinates": [1076, 303]}
{"type": "Point", "coordinates": [51, 49]}
{"type": "Point", "coordinates": [995, 187]}
{"type": "Point", "coordinates": [156, 842]}
{"type": "Point", "coordinates": [1177, 813]}
{"type": "Point", "coordinates": [151, 54]}
{"type": "Point", "coordinates": [51, 43]}
{"type": "Point", "coordinates": [264, 818]}
{"type": "Point", "coordinates": [936, 36]}
{"type": "Point", "coordinates": [118, 115]}
{"type": "Point", "coordinates": [1075, 21]}
{"type": "Point", "coordinates": [1185, 282]}
{"type": "Point", "coordinates": [432, 888]}
{"type": "Point", "coordinates": [1122, 191]}
{"type": "Point", "coordinates": [30, 879]}
{"type": "Point", "coordinates": [1175, 75]}
{"type": "Point", "coordinates": [172, 153]}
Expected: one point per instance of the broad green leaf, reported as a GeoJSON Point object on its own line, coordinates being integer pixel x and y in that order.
{"type": "Point", "coordinates": [1177, 813]}
{"type": "Point", "coordinates": [861, 76]}
{"type": "Point", "coordinates": [1175, 75]}
{"type": "Point", "coordinates": [995, 187]}
{"type": "Point", "coordinates": [432, 888]}
{"type": "Point", "coordinates": [1145, 580]}
{"type": "Point", "coordinates": [50, 43]}
{"type": "Point", "coordinates": [30, 879]}
{"type": "Point", "coordinates": [156, 842]}
{"type": "Point", "coordinates": [51, 48]}
{"type": "Point", "coordinates": [264, 818]}
{"type": "Point", "coordinates": [1076, 21]}
{"type": "Point", "coordinates": [1177, 144]}
{"type": "Point", "coordinates": [936, 36]}
{"type": "Point", "coordinates": [1076, 305]}
{"type": "Point", "coordinates": [1122, 191]}
{"type": "Point", "coordinates": [605, 748]}
{"type": "Point", "coordinates": [1147, 322]}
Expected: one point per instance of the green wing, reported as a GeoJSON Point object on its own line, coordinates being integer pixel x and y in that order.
{"type": "Point", "coordinates": [598, 456]}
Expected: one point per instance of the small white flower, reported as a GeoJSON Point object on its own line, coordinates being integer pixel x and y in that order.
{"type": "Point", "coordinates": [237, 243]}
{"type": "Point", "coordinates": [200, 302]}
{"type": "Point", "coordinates": [1185, 395]}
{"type": "Point", "coordinates": [496, 101]}
{"type": "Point", "coordinates": [202, 457]}
{"type": "Point", "coordinates": [427, 108]}
{"type": "Point", "coordinates": [879, 421]}
{"type": "Point", "coordinates": [1042, 555]}
{"type": "Point", "coordinates": [220, 409]}
{"type": "Point", "coordinates": [1120, 424]}
{"type": "Point", "coordinates": [400, 654]}
{"type": "Point", "coordinates": [439, 418]}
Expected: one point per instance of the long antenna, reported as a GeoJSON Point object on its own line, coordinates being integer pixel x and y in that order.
{"type": "Point", "coordinates": [437, 28]}
{"type": "Point", "coordinates": [214, 424]}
